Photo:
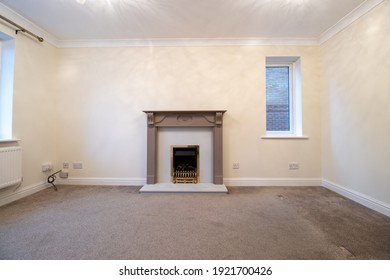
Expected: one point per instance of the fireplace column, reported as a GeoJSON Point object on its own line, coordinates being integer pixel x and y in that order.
{"type": "Point", "coordinates": [218, 163]}
{"type": "Point", "coordinates": [151, 150]}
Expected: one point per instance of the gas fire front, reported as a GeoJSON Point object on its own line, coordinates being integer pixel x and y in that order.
{"type": "Point", "coordinates": [185, 164]}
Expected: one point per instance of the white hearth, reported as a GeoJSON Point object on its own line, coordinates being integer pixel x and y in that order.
{"type": "Point", "coordinates": [184, 188]}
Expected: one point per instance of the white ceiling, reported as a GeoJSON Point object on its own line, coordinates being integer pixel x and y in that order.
{"type": "Point", "coordinates": [70, 21]}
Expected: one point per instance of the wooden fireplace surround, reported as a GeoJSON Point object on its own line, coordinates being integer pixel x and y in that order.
{"type": "Point", "coordinates": [156, 119]}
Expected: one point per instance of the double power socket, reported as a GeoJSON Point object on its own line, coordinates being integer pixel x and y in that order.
{"type": "Point", "coordinates": [75, 165]}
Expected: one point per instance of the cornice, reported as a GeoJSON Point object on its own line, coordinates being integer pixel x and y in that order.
{"type": "Point", "coordinates": [346, 21]}
{"type": "Point", "coordinates": [191, 42]}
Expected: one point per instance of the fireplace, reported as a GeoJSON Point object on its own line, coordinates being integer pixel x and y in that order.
{"type": "Point", "coordinates": [165, 119]}
{"type": "Point", "coordinates": [185, 164]}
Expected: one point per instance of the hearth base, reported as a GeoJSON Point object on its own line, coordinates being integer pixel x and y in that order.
{"type": "Point", "coordinates": [184, 188]}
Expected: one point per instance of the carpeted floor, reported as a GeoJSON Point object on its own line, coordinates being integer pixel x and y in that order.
{"type": "Point", "coordinates": [96, 222]}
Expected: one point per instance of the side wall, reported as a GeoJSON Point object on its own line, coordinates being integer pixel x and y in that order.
{"type": "Point", "coordinates": [356, 120]}
{"type": "Point", "coordinates": [34, 111]}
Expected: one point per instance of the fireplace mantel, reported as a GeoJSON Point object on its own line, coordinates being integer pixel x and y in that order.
{"type": "Point", "coordinates": [184, 118]}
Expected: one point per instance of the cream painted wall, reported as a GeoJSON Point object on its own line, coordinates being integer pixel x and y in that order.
{"type": "Point", "coordinates": [102, 92]}
{"type": "Point", "coordinates": [34, 109]}
{"type": "Point", "coordinates": [356, 146]}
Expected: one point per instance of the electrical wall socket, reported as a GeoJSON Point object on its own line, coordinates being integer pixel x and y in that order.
{"type": "Point", "coordinates": [77, 165]}
{"type": "Point", "coordinates": [65, 165]}
{"type": "Point", "coordinates": [46, 167]}
{"type": "Point", "coordinates": [293, 165]}
{"type": "Point", "coordinates": [236, 165]}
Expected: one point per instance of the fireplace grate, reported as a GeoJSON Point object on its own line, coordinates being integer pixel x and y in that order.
{"type": "Point", "coordinates": [185, 177]}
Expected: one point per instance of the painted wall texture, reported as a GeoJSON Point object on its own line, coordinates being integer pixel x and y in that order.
{"type": "Point", "coordinates": [103, 92]}
{"type": "Point", "coordinates": [356, 149]}
{"type": "Point", "coordinates": [34, 107]}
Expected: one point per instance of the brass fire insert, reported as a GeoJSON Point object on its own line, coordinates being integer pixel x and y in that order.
{"type": "Point", "coordinates": [185, 164]}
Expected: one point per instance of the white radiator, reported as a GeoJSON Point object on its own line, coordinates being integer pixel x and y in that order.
{"type": "Point", "coordinates": [10, 166]}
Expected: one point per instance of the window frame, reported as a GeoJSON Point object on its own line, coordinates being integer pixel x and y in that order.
{"type": "Point", "coordinates": [295, 96]}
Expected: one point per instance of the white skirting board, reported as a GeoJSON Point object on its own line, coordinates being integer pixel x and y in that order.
{"type": "Point", "coordinates": [101, 181]}
{"type": "Point", "coordinates": [23, 192]}
{"type": "Point", "coordinates": [273, 182]}
{"type": "Point", "coordinates": [233, 182]}
{"type": "Point", "coordinates": [360, 198]}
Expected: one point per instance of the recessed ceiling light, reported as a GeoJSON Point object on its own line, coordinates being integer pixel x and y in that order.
{"type": "Point", "coordinates": [82, 2]}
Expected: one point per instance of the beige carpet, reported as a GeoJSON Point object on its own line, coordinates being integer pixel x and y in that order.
{"type": "Point", "coordinates": [95, 222]}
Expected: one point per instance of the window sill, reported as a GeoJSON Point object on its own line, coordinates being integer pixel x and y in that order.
{"type": "Point", "coordinates": [9, 140]}
{"type": "Point", "coordinates": [285, 137]}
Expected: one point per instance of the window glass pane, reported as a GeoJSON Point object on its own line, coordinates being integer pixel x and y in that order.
{"type": "Point", "coordinates": [6, 85]}
{"type": "Point", "coordinates": [277, 98]}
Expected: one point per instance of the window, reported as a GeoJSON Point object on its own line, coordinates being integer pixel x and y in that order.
{"type": "Point", "coordinates": [283, 96]}
{"type": "Point", "coordinates": [7, 49]}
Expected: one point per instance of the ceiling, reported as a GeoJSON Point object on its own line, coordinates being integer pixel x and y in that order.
{"type": "Point", "coordinates": [93, 20]}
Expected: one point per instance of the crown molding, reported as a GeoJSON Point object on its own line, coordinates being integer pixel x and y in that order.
{"type": "Point", "coordinates": [364, 8]}
{"type": "Point", "coordinates": [346, 21]}
{"type": "Point", "coordinates": [191, 42]}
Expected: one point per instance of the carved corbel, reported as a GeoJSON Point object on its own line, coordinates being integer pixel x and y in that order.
{"type": "Point", "coordinates": [218, 118]}
{"type": "Point", "coordinates": [150, 118]}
